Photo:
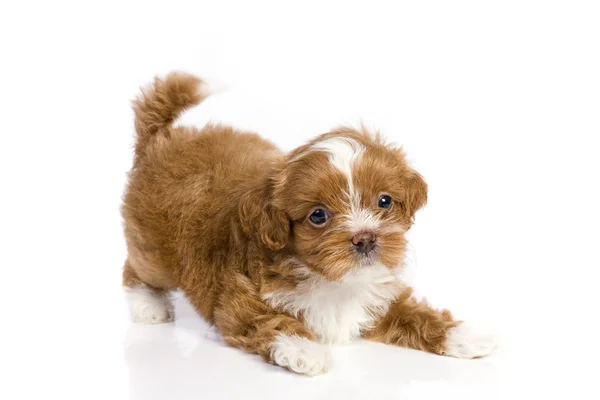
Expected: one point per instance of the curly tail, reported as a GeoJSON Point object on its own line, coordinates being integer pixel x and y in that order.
{"type": "Point", "coordinates": [160, 104]}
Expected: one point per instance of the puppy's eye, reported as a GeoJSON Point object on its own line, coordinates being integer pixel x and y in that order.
{"type": "Point", "coordinates": [385, 201]}
{"type": "Point", "coordinates": [318, 217]}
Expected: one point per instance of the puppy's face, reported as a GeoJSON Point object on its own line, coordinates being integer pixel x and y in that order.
{"type": "Point", "coordinates": [350, 198]}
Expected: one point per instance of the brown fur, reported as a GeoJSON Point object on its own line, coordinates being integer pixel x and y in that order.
{"type": "Point", "coordinates": [414, 324]}
{"type": "Point", "coordinates": [222, 215]}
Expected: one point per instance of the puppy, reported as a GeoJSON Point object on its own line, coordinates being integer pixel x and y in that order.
{"type": "Point", "coordinates": [285, 254]}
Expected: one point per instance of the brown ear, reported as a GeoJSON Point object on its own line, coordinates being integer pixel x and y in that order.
{"type": "Point", "coordinates": [264, 221]}
{"type": "Point", "coordinates": [416, 193]}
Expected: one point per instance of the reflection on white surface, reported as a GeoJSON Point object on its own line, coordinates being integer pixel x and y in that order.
{"type": "Point", "coordinates": [186, 359]}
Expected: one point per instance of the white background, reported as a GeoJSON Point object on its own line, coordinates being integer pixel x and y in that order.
{"type": "Point", "coordinates": [496, 103]}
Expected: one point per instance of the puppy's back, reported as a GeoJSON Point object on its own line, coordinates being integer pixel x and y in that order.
{"type": "Point", "coordinates": [185, 186]}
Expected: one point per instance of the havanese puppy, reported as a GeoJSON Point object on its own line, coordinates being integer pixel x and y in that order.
{"type": "Point", "coordinates": [284, 253]}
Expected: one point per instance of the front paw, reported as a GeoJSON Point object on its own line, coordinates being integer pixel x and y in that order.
{"type": "Point", "coordinates": [468, 341]}
{"type": "Point", "coordinates": [301, 355]}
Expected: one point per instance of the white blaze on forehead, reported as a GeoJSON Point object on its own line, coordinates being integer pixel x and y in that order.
{"type": "Point", "coordinates": [343, 154]}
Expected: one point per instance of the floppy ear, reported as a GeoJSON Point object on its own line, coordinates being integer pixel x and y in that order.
{"type": "Point", "coordinates": [416, 193]}
{"type": "Point", "coordinates": [261, 219]}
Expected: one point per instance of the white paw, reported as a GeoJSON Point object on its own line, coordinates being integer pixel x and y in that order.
{"type": "Point", "coordinates": [468, 341]}
{"type": "Point", "coordinates": [301, 355]}
{"type": "Point", "coordinates": [149, 307]}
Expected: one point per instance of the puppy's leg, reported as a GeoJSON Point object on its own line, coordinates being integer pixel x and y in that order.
{"type": "Point", "coordinates": [282, 340]}
{"type": "Point", "coordinates": [248, 323]}
{"type": "Point", "coordinates": [147, 304]}
{"type": "Point", "coordinates": [414, 324]}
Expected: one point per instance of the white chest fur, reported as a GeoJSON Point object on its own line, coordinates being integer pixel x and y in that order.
{"type": "Point", "coordinates": [337, 312]}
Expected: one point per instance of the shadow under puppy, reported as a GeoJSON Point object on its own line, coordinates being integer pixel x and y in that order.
{"type": "Point", "coordinates": [283, 253]}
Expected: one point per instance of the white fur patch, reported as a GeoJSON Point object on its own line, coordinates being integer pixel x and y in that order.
{"type": "Point", "coordinates": [468, 341]}
{"type": "Point", "coordinates": [343, 154]}
{"type": "Point", "coordinates": [362, 219]}
{"type": "Point", "coordinates": [208, 88]}
{"type": "Point", "coordinates": [337, 312]}
{"type": "Point", "coordinates": [300, 354]}
{"type": "Point", "coordinates": [148, 307]}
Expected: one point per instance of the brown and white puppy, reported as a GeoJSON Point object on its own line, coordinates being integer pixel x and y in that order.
{"type": "Point", "coordinates": [284, 253]}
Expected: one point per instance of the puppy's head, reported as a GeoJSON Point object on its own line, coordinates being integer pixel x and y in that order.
{"type": "Point", "coordinates": [350, 199]}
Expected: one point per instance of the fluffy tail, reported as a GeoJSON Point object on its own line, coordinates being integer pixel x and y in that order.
{"type": "Point", "coordinates": [161, 103]}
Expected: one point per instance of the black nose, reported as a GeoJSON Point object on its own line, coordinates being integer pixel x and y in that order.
{"type": "Point", "coordinates": [364, 242]}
